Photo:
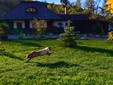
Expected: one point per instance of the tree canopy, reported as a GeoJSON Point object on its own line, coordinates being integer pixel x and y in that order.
{"type": "Point", "coordinates": [109, 4]}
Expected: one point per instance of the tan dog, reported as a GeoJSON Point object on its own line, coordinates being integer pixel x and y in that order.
{"type": "Point", "coordinates": [45, 51]}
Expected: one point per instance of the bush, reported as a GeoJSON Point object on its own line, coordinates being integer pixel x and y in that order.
{"type": "Point", "coordinates": [67, 38]}
{"type": "Point", "coordinates": [110, 35]}
{"type": "Point", "coordinates": [39, 26]}
{"type": "Point", "coordinates": [3, 31]}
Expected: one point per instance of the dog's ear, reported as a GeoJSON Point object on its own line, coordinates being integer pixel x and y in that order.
{"type": "Point", "coordinates": [49, 48]}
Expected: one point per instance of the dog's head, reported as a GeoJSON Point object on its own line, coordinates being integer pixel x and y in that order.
{"type": "Point", "coordinates": [48, 49]}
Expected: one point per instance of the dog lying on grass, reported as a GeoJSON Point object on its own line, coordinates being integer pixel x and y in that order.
{"type": "Point", "coordinates": [45, 51]}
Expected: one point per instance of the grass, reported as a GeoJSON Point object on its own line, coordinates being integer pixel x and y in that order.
{"type": "Point", "coordinates": [90, 63]}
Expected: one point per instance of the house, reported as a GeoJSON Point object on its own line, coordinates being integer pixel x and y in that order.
{"type": "Point", "coordinates": [21, 16]}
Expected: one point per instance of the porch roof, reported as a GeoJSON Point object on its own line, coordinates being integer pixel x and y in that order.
{"type": "Point", "coordinates": [74, 17]}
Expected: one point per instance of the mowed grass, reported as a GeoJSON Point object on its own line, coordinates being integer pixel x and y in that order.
{"type": "Point", "coordinates": [90, 63]}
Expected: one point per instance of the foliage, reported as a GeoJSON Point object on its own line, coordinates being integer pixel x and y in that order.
{"type": "Point", "coordinates": [39, 26]}
{"type": "Point", "coordinates": [87, 7]}
{"type": "Point", "coordinates": [110, 35]}
{"type": "Point", "coordinates": [88, 64]}
{"type": "Point", "coordinates": [109, 4]}
{"type": "Point", "coordinates": [3, 29]}
{"type": "Point", "coordinates": [64, 2]}
{"type": "Point", "coordinates": [74, 9]}
{"type": "Point", "coordinates": [28, 0]}
{"type": "Point", "coordinates": [78, 4]}
{"type": "Point", "coordinates": [90, 5]}
{"type": "Point", "coordinates": [59, 9]}
{"type": "Point", "coordinates": [67, 38]}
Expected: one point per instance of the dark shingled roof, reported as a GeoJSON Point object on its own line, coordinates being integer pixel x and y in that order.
{"type": "Point", "coordinates": [43, 13]}
{"type": "Point", "coordinates": [73, 17]}
{"type": "Point", "coordinates": [19, 12]}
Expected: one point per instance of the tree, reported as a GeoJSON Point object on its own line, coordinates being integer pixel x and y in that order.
{"type": "Point", "coordinates": [97, 6]}
{"type": "Point", "coordinates": [78, 4]}
{"type": "Point", "coordinates": [109, 4]}
{"type": "Point", "coordinates": [28, 0]}
{"type": "Point", "coordinates": [75, 8]}
{"type": "Point", "coordinates": [56, 8]}
{"type": "Point", "coordinates": [90, 5]}
{"type": "Point", "coordinates": [52, 7]}
{"type": "Point", "coordinates": [64, 2]}
{"type": "Point", "coordinates": [3, 30]}
{"type": "Point", "coordinates": [67, 38]}
{"type": "Point", "coordinates": [110, 36]}
{"type": "Point", "coordinates": [109, 11]}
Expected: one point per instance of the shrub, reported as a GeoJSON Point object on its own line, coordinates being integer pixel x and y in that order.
{"type": "Point", "coordinates": [110, 35]}
{"type": "Point", "coordinates": [39, 26]}
{"type": "Point", "coordinates": [3, 31]}
{"type": "Point", "coordinates": [67, 38]}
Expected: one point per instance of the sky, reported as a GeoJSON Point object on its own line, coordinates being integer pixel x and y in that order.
{"type": "Point", "coordinates": [58, 1]}
{"type": "Point", "coordinates": [55, 1]}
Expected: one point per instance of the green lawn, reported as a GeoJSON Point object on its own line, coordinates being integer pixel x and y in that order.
{"type": "Point", "coordinates": [90, 63]}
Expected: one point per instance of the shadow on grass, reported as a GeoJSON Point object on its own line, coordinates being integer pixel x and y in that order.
{"type": "Point", "coordinates": [10, 55]}
{"type": "Point", "coordinates": [26, 43]}
{"type": "Point", "coordinates": [59, 64]}
{"type": "Point", "coordinates": [91, 49]}
{"type": "Point", "coordinates": [31, 44]}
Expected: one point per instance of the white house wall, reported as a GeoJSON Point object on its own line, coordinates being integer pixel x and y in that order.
{"type": "Point", "coordinates": [15, 24]}
{"type": "Point", "coordinates": [31, 24]}
{"type": "Point", "coordinates": [63, 23]}
{"type": "Point", "coordinates": [57, 23]}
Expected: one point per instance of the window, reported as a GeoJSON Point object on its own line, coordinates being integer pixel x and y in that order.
{"type": "Point", "coordinates": [59, 24]}
{"type": "Point", "coordinates": [19, 24]}
{"type": "Point", "coordinates": [66, 24]}
{"type": "Point", "coordinates": [31, 9]}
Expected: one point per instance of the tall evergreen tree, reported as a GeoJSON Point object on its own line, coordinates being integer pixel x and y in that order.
{"type": "Point", "coordinates": [67, 38]}
{"type": "Point", "coordinates": [78, 4]}
{"type": "Point", "coordinates": [90, 5]}
{"type": "Point", "coordinates": [75, 8]}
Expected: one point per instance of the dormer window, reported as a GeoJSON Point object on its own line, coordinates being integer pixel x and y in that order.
{"type": "Point", "coordinates": [31, 10]}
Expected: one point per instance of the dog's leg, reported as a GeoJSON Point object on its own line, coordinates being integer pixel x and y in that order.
{"type": "Point", "coordinates": [48, 53]}
{"type": "Point", "coordinates": [28, 59]}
